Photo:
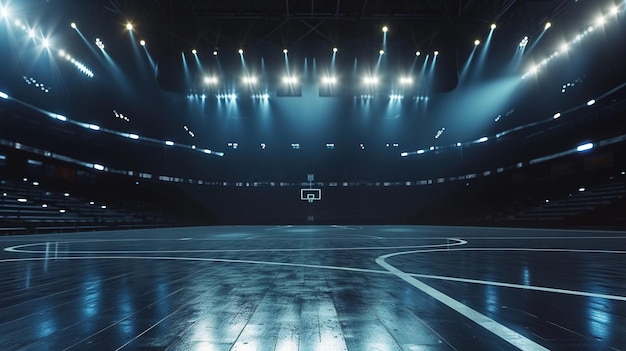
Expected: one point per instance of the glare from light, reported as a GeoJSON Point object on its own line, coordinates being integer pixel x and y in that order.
{"type": "Point", "coordinates": [476, 42]}
{"type": "Point", "coordinates": [142, 42]}
{"type": "Point", "coordinates": [483, 139]}
{"type": "Point", "coordinates": [98, 167]}
{"type": "Point", "coordinates": [129, 26]}
{"type": "Point", "coordinates": [614, 10]}
{"type": "Point", "coordinates": [404, 154]}
{"type": "Point", "coordinates": [329, 80]}
{"type": "Point", "coordinates": [22, 200]}
{"type": "Point", "coordinates": [584, 147]}
{"type": "Point", "coordinates": [547, 26]}
{"type": "Point", "coordinates": [94, 127]}
{"type": "Point", "coordinates": [493, 26]}
{"type": "Point", "coordinates": [419, 152]}
{"type": "Point", "coordinates": [3, 12]}
{"type": "Point", "coordinates": [214, 52]}
{"type": "Point", "coordinates": [417, 53]}
{"type": "Point", "coordinates": [59, 117]}
{"type": "Point", "coordinates": [370, 80]}
{"type": "Point", "coordinates": [133, 136]}
{"type": "Point", "coordinates": [335, 49]}
{"type": "Point", "coordinates": [381, 52]}
{"type": "Point", "coordinates": [240, 51]}
{"type": "Point", "coordinates": [210, 80]}
{"type": "Point", "coordinates": [290, 80]}
{"type": "Point", "coordinates": [194, 51]}
{"type": "Point", "coordinates": [169, 143]}
{"type": "Point", "coordinates": [45, 43]}
{"type": "Point", "coordinates": [436, 53]}
{"type": "Point", "coordinates": [557, 115]}
{"type": "Point", "coordinates": [385, 29]}
{"type": "Point", "coordinates": [600, 21]}
{"type": "Point", "coordinates": [564, 48]}
{"type": "Point", "coordinates": [73, 25]}
{"type": "Point", "coordinates": [4, 95]}
{"type": "Point", "coordinates": [249, 80]}
{"type": "Point", "coordinates": [285, 51]}
{"type": "Point", "coordinates": [406, 80]}
{"type": "Point", "coordinates": [31, 33]}
{"type": "Point", "coordinates": [581, 189]}
{"type": "Point", "coordinates": [591, 102]}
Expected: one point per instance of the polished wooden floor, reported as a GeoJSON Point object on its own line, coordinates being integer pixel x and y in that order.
{"type": "Point", "coordinates": [314, 288]}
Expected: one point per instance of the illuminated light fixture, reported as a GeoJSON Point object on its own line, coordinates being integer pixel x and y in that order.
{"type": "Point", "coordinates": [381, 52]}
{"type": "Point", "coordinates": [73, 25]}
{"type": "Point", "coordinates": [240, 51]}
{"type": "Point", "coordinates": [44, 205]}
{"type": "Point", "coordinates": [169, 143]}
{"type": "Point", "coordinates": [4, 95]}
{"type": "Point", "coordinates": [614, 10]}
{"type": "Point", "coordinates": [290, 80]}
{"type": "Point", "coordinates": [249, 80]}
{"type": "Point", "coordinates": [142, 42]}
{"type": "Point", "coordinates": [3, 12]}
{"type": "Point", "coordinates": [483, 139]}
{"type": "Point", "coordinates": [404, 154]}
{"type": "Point", "coordinates": [406, 80]}
{"type": "Point", "coordinates": [584, 147]}
{"type": "Point", "coordinates": [370, 80]}
{"type": "Point", "coordinates": [45, 43]}
{"type": "Point", "coordinates": [22, 200]}
{"type": "Point", "coordinates": [458, 144]}
{"type": "Point", "coordinates": [493, 26]}
{"type": "Point", "coordinates": [591, 102]}
{"type": "Point", "coordinates": [214, 52]}
{"type": "Point", "coordinates": [98, 167]}
{"type": "Point", "coordinates": [285, 51]}
{"type": "Point", "coordinates": [62, 211]}
{"type": "Point", "coordinates": [133, 136]}
{"type": "Point", "coordinates": [396, 97]}
{"type": "Point", "coordinates": [59, 117]}
{"type": "Point", "coordinates": [94, 127]}
{"type": "Point", "coordinates": [557, 115]}
{"type": "Point", "coordinates": [335, 49]}
{"type": "Point", "coordinates": [476, 42]}
{"type": "Point", "coordinates": [600, 21]}
{"type": "Point", "coordinates": [547, 26]}
{"type": "Point", "coordinates": [210, 80]}
{"type": "Point", "coordinates": [436, 52]}
{"type": "Point", "coordinates": [564, 48]}
{"type": "Point", "coordinates": [207, 151]}
{"type": "Point", "coordinates": [31, 33]}
{"type": "Point", "coordinates": [581, 189]}
{"type": "Point", "coordinates": [329, 80]}
{"type": "Point", "coordinates": [385, 29]}
{"type": "Point", "coordinates": [99, 44]}
{"type": "Point", "coordinates": [129, 26]}
{"type": "Point", "coordinates": [417, 53]}
{"type": "Point", "coordinates": [524, 42]}
{"type": "Point", "coordinates": [263, 146]}
{"type": "Point", "coordinates": [420, 151]}
{"type": "Point", "coordinates": [194, 51]}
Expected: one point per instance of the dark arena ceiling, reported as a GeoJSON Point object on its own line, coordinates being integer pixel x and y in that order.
{"type": "Point", "coordinates": [358, 103]}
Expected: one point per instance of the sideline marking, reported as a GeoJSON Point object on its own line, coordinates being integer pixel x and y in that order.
{"type": "Point", "coordinates": [489, 324]}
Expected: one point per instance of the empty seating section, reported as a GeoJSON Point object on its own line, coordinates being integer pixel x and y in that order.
{"type": "Point", "coordinates": [28, 206]}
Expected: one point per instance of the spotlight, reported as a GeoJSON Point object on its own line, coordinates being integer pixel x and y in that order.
{"type": "Point", "coordinates": [169, 143]}
{"type": "Point", "coordinates": [214, 52]}
{"type": "Point", "coordinates": [3, 12]}
{"type": "Point", "coordinates": [557, 115]}
{"type": "Point", "coordinates": [476, 42]}
{"type": "Point", "coordinates": [249, 80]}
{"type": "Point", "coordinates": [290, 80]}
{"type": "Point", "coordinates": [591, 102]}
{"type": "Point", "coordinates": [547, 26]}
{"type": "Point", "coordinates": [381, 52]}
{"type": "Point", "coordinates": [142, 42]}
{"type": "Point", "coordinates": [614, 10]}
{"type": "Point", "coordinates": [417, 53]}
{"type": "Point", "coordinates": [73, 25]}
{"type": "Point", "coordinates": [385, 29]}
{"type": "Point", "coordinates": [493, 26]}
{"type": "Point", "coordinates": [600, 20]}
{"type": "Point", "coordinates": [285, 51]}
{"type": "Point", "coordinates": [370, 80]}
{"type": "Point", "coordinates": [31, 33]}
{"type": "Point", "coordinates": [46, 43]}
{"type": "Point", "coordinates": [584, 147]}
{"type": "Point", "coordinates": [194, 51]}
{"type": "Point", "coordinates": [436, 52]}
{"type": "Point", "coordinates": [129, 26]}
{"type": "Point", "coordinates": [483, 139]}
{"type": "Point", "coordinates": [240, 51]}
{"type": "Point", "coordinates": [335, 49]}
{"type": "Point", "coordinates": [4, 95]}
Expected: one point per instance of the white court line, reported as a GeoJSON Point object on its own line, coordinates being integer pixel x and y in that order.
{"type": "Point", "coordinates": [491, 325]}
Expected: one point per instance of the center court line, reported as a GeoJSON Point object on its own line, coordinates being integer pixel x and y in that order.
{"type": "Point", "coordinates": [491, 325]}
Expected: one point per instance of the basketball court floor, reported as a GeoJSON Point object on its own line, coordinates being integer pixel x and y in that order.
{"type": "Point", "coordinates": [314, 288]}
